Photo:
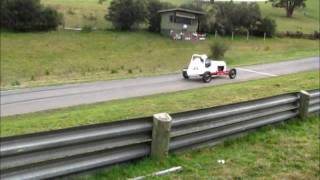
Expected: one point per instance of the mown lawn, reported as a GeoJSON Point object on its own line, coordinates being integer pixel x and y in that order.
{"type": "Point", "coordinates": [149, 105]}
{"type": "Point", "coordinates": [33, 59]}
{"type": "Point", "coordinates": [286, 151]}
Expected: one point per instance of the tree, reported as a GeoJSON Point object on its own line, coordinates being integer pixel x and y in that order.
{"type": "Point", "coordinates": [28, 15]}
{"type": "Point", "coordinates": [124, 14]}
{"type": "Point", "coordinates": [289, 5]}
{"type": "Point", "coordinates": [232, 17]}
{"type": "Point", "coordinates": [153, 17]}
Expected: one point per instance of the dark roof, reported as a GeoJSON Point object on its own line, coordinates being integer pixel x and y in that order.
{"type": "Point", "coordinates": [182, 10]}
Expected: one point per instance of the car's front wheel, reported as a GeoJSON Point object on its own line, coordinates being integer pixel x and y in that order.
{"type": "Point", "coordinates": [185, 74]}
{"type": "Point", "coordinates": [206, 77]}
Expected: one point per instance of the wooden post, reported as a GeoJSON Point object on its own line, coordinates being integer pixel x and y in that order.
{"type": "Point", "coordinates": [264, 36]}
{"type": "Point", "coordinates": [232, 35]}
{"type": "Point", "coordinates": [161, 136]}
{"type": "Point", "coordinates": [216, 34]}
{"type": "Point", "coordinates": [304, 104]}
{"type": "Point", "coordinates": [248, 35]}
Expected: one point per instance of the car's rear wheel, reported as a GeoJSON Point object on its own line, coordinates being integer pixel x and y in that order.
{"type": "Point", "coordinates": [206, 77]}
{"type": "Point", "coordinates": [232, 73]}
{"type": "Point", "coordinates": [185, 74]}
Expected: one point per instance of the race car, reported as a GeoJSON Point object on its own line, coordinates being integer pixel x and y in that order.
{"type": "Point", "coordinates": [204, 68]}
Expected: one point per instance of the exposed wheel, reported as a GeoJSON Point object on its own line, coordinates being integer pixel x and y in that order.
{"type": "Point", "coordinates": [206, 77]}
{"type": "Point", "coordinates": [185, 74]}
{"type": "Point", "coordinates": [232, 73]}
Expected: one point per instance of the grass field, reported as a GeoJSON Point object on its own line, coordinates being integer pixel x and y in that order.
{"type": "Point", "coordinates": [304, 19]}
{"type": "Point", "coordinates": [33, 59]}
{"type": "Point", "coordinates": [78, 13]}
{"type": "Point", "coordinates": [286, 151]}
{"type": "Point", "coordinates": [146, 106]}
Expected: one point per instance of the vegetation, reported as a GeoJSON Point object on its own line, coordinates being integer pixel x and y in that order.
{"type": "Point", "coordinates": [288, 5]}
{"type": "Point", "coordinates": [218, 49]}
{"type": "Point", "coordinates": [305, 20]}
{"type": "Point", "coordinates": [232, 17]}
{"type": "Point", "coordinates": [124, 14]}
{"type": "Point", "coordinates": [79, 57]}
{"type": "Point", "coordinates": [265, 26]}
{"type": "Point", "coordinates": [153, 17]}
{"type": "Point", "coordinates": [170, 102]}
{"type": "Point", "coordinates": [286, 151]}
{"type": "Point", "coordinates": [28, 15]}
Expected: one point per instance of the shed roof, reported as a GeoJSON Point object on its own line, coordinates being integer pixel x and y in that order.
{"type": "Point", "coordinates": [182, 10]}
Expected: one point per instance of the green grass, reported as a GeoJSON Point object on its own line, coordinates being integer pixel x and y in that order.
{"type": "Point", "coordinates": [77, 13]}
{"type": "Point", "coordinates": [146, 106]}
{"type": "Point", "coordinates": [34, 59]}
{"type": "Point", "coordinates": [305, 20]}
{"type": "Point", "coordinates": [286, 151]}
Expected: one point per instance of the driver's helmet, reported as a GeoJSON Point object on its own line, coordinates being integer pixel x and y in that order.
{"type": "Point", "coordinates": [204, 57]}
{"type": "Point", "coordinates": [207, 63]}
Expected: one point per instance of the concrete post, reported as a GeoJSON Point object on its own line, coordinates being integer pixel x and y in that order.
{"type": "Point", "coordinates": [161, 135]}
{"type": "Point", "coordinates": [304, 104]}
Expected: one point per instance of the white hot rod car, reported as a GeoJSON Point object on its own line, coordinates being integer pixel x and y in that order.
{"type": "Point", "coordinates": [204, 68]}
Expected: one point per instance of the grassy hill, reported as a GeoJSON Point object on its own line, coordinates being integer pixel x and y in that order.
{"type": "Point", "coordinates": [89, 12]}
{"type": "Point", "coordinates": [305, 20]}
{"type": "Point", "coordinates": [32, 59]}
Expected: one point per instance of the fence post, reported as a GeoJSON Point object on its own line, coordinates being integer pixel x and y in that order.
{"type": "Point", "coordinates": [232, 36]}
{"type": "Point", "coordinates": [161, 135]}
{"type": "Point", "coordinates": [264, 36]}
{"type": "Point", "coordinates": [248, 35]}
{"type": "Point", "coordinates": [216, 34]}
{"type": "Point", "coordinates": [304, 104]}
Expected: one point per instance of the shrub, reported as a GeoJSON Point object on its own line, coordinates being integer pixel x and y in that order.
{"type": "Point", "coordinates": [86, 28]}
{"type": "Point", "coordinates": [266, 25]}
{"type": "Point", "coordinates": [229, 17]}
{"type": "Point", "coordinates": [28, 15]}
{"type": "Point", "coordinates": [124, 14]}
{"type": "Point", "coordinates": [153, 17]}
{"type": "Point", "coordinates": [130, 71]}
{"type": "Point", "coordinates": [114, 71]}
{"type": "Point", "coordinates": [47, 73]}
{"type": "Point", "coordinates": [15, 83]}
{"type": "Point", "coordinates": [218, 49]}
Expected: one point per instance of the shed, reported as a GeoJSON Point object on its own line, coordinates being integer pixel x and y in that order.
{"type": "Point", "coordinates": [179, 20]}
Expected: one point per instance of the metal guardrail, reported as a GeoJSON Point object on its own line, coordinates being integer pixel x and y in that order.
{"type": "Point", "coordinates": [62, 152]}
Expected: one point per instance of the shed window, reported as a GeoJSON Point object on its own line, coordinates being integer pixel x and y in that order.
{"type": "Point", "coordinates": [171, 18]}
{"type": "Point", "coordinates": [181, 20]}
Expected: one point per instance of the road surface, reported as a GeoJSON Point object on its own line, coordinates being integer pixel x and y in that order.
{"type": "Point", "coordinates": [29, 100]}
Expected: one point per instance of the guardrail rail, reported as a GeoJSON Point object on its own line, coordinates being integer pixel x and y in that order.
{"type": "Point", "coordinates": [67, 151]}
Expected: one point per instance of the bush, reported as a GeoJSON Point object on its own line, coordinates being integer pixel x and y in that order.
{"type": "Point", "coordinates": [87, 28]}
{"type": "Point", "coordinates": [218, 49]}
{"type": "Point", "coordinates": [266, 25]}
{"type": "Point", "coordinates": [153, 17]}
{"type": "Point", "coordinates": [124, 14]}
{"type": "Point", "coordinates": [28, 15]}
{"type": "Point", "coordinates": [230, 17]}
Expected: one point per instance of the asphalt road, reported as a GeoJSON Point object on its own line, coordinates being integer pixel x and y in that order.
{"type": "Point", "coordinates": [29, 100]}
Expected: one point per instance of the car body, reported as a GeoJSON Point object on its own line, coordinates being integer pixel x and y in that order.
{"type": "Point", "coordinates": [202, 67]}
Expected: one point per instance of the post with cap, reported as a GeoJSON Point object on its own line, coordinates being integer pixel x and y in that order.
{"type": "Point", "coordinates": [161, 135]}
{"type": "Point", "coordinates": [304, 104]}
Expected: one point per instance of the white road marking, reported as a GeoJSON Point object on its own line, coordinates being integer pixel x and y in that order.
{"type": "Point", "coordinates": [262, 73]}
